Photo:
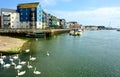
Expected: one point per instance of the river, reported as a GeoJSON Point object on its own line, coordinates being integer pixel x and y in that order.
{"type": "Point", "coordinates": [93, 54]}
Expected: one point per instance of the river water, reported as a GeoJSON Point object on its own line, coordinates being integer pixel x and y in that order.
{"type": "Point", "coordinates": [93, 54]}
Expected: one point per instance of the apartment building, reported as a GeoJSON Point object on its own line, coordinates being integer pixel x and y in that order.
{"type": "Point", "coordinates": [30, 15]}
{"type": "Point", "coordinates": [9, 18]}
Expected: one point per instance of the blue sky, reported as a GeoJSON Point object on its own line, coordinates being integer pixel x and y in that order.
{"type": "Point", "coordinates": [86, 12]}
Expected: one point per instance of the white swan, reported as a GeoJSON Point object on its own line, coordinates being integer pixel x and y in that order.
{"type": "Point", "coordinates": [12, 63]}
{"type": "Point", "coordinates": [3, 56]}
{"type": "Point", "coordinates": [15, 57]}
{"type": "Point", "coordinates": [1, 61]}
{"type": "Point", "coordinates": [48, 53]}
{"type": "Point", "coordinates": [6, 65]}
{"type": "Point", "coordinates": [21, 73]}
{"type": "Point", "coordinates": [36, 39]}
{"type": "Point", "coordinates": [11, 59]}
{"type": "Point", "coordinates": [22, 62]}
{"type": "Point", "coordinates": [18, 67]}
{"type": "Point", "coordinates": [32, 58]}
{"type": "Point", "coordinates": [29, 66]}
{"type": "Point", "coordinates": [27, 50]}
{"type": "Point", "coordinates": [36, 72]}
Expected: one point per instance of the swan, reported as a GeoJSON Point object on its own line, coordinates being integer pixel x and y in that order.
{"type": "Point", "coordinates": [21, 73]}
{"type": "Point", "coordinates": [22, 62]}
{"type": "Point", "coordinates": [29, 66]}
{"type": "Point", "coordinates": [18, 67]}
{"type": "Point", "coordinates": [12, 63]}
{"type": "Point", "coordinates": [11, 59]}
{"type": "Point", "coordinates": [1, 61]}
{"type": "Point", "coordinates": [32, 58]}
{"type": "Point", "coordinates": [3, 56]}
{"type": "Point", "coordinates": [36, 39]}
{"type": "Point", "coordinates": [48, 53]}
{"type": "Point", "coordinates": [16, 57]}
{"type": "Point", "coordinates": [27, 50]}
{"type": "Point", "coordinates": [36, 72]}
{"type": "Point", "coordinates": [6, 65]}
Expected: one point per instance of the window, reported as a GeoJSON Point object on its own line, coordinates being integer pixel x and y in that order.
{"type": "Point", "coordinates": [33, 9]}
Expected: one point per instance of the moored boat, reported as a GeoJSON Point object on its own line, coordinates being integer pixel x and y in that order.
{"type": "Point", "coordinates": [75, 32]}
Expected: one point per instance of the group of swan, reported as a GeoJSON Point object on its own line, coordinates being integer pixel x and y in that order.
{"type": "Point", "coordinates": [23, 72]}
{"type": "Point", "coordinates": [20, 63]}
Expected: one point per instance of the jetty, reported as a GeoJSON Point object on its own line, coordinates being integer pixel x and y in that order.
{"type": "Point", "coordinates": [32, 32]}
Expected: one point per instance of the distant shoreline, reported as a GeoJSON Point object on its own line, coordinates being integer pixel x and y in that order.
{"type": "Point", "coordinates": [10, 44]}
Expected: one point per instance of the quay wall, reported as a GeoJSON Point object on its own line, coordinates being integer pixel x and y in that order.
{"type": "Point", "coordinates": [24, 32]}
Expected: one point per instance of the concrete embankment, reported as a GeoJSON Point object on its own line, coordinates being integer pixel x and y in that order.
{"type": "Point", "coordinates": [10, 44]}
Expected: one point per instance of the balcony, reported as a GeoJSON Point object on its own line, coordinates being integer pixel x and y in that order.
{"type": "Point", "coordinates": [6, 18]}
{"type": "Point", "coordinates": [6, 15]}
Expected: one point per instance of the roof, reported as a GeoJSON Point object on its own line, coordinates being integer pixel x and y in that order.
{"type": "Point", "coordinates": [28, 5]}
{"type": "Point", "coordinates": [8, 10]}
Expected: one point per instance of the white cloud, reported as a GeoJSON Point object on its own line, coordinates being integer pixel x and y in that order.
{"type": "Point", "coordinates": [100, 16]}
{"type": "Point", "coordinates": [47, 2]}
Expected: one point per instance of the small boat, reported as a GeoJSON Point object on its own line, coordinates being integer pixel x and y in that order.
{"type": "Point", "coordinates": [75, 32]}
{"type": "Point", "coordinates": [71, 32]}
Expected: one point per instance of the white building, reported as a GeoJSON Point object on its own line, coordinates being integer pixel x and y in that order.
{"type": "Point", "coordinates": [9, 18]}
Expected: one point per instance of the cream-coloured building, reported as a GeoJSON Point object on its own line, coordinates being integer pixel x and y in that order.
{"type": "Point", "coordinates": [9, 18]}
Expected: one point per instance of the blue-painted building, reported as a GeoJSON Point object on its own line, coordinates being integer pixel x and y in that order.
{"type": "Point", "coordinates": [30, 15]}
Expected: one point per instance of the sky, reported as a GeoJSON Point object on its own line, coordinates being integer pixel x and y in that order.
{"type": "Point", "coordinates": [85, 12]}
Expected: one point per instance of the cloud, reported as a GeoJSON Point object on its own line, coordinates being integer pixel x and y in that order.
{"type": "Point", "coordinates": [47, 2]}
{"type": "Point", "coordinates": [100, 16]}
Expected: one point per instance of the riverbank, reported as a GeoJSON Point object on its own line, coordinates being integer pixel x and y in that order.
{"type": "Point", "coordinates": [10, 44]}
